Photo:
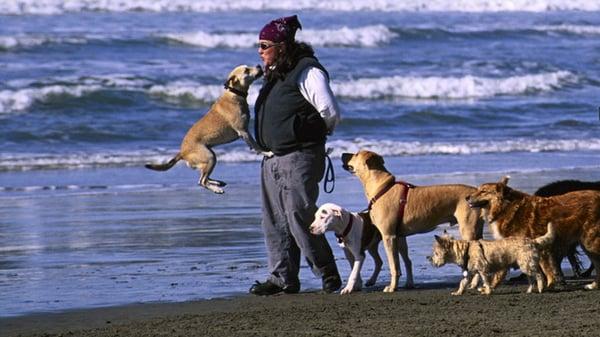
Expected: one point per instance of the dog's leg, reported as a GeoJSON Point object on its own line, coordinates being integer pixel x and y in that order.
{"type": "Point", "coordinates": [253, 144]}
{"type": "Point", "coordinates": [403, 248]}
{"type": "Point", "coordinates": [486, 289]}
{"type": "Point", "coordinates": [463, 284]}
{"type": "Point", "coordinates": [547, 263]}
{"type": "Point", "coordinates": [204, 160]}
{"type": "Point", "coordinates": [357, 281]}
{"type": "Point", "coordinates": [377, 261]}
{"type": "Point", "coordinates": [595, 258]}
{"type": "Point", "coordinates": [349, 256]}
{"type": "Point", "coordinates": [474, 281]}
{"type": "Point", "coordinates": [354, 281]}
{"type": "Point", "coordinates": [540, 281]}
{"type": "Point", "coordinates": [497, 278]}
{"type": "Point", "coordinates": [391, 250]}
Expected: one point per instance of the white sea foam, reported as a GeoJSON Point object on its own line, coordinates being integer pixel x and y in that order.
{"type": "Point", "coordinates": [20, 99]}
{"type": "Point", "coordinates": [571, 29]}
{"type": "Point", "coordinates": [32, 161]}
{"type": "Point", "coordinates": [464, 87]}
{"type": "Point", "coordinates": [8, 42]}
{"type": "Point", "coordinates": [20, 7]}
{"type": "Point", "coordinates": [398, 148]}
{"type": "Point", "coordinates": [187, 90]}
{"type": "Point", "coordinates": [368, 36]}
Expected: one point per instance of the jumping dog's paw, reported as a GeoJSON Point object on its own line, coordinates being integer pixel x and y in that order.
{"type": "Point", "coordinates": [218, 183]}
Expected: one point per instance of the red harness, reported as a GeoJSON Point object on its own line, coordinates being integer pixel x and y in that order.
{"type": "Point", "coordinates": [403, 199]}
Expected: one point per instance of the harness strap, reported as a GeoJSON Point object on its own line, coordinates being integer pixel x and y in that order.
{"type": "Point", "coordinates": [403, 198]}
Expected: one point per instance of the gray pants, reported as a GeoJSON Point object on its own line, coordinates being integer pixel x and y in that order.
{"type": "Point", "coordinates": [290, 188]}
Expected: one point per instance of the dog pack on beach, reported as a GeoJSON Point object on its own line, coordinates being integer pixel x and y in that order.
{"type": "Point", "coordinates": [531, 232]}
{"type": "Point", "coordinates": [396, 210]}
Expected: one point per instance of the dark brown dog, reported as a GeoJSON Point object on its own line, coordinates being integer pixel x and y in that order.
{"type": "Point", "coordinates": [565, 186]}
{"type": "Point", "coordinates": [575, 215]}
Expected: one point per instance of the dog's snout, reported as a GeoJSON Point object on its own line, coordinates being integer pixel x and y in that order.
{"type": "Point", "coordinates": [346, 157]}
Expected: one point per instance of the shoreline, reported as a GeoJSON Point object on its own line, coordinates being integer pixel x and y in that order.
{"type": "Point", "coordinates": [429, 310]}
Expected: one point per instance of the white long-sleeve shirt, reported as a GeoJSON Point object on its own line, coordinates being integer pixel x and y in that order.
{"type": "Point", "coordinates": [314, 86]}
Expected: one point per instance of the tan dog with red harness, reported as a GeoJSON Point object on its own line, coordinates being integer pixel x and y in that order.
{"type": "Point", "coordinates": [399, 209]}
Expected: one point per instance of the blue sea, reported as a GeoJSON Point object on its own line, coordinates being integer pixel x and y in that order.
{"type": "Point", "coordinates": [447, 91]}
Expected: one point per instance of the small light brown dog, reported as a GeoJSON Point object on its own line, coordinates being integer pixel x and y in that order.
{"type": "Point", "coordinates": [575, 215]}
{"type": "Point", "coordinates": [226, 121]}
{"type": "Point", "coordinates": [484, 258]}
{"type": "Point", "coordinates": [424, 208]}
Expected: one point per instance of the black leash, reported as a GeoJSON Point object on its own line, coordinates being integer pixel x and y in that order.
{"type": "Point", "coordinates": [329, 174]}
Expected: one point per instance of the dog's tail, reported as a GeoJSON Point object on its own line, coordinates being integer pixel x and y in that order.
{"type": "Point", "coordinates": [165, 166]}
{"type": "Point", "coordinates": [548, 238]}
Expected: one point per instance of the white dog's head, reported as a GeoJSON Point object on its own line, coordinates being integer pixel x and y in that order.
{"type": "Point", "coordinates": [326, 217]}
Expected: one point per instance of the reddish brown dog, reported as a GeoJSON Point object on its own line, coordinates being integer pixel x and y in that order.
{"type": "Point", "coordinates": [575, 215]}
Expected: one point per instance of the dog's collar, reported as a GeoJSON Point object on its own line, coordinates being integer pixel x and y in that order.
{"type": "Point", "coordinates": [340, 238]}
{"type": "Point", "coordinates": [236, 91]}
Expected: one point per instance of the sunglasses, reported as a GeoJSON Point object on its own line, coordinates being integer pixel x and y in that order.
{"type": "Point", "coordinates": [265, 45]}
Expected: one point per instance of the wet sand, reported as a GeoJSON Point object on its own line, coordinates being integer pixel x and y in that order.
{"type": "Point", "coordinates": [429, 310]}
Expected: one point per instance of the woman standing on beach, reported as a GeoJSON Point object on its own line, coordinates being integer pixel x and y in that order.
{"type": "Point", "coordinates": [295, 111]}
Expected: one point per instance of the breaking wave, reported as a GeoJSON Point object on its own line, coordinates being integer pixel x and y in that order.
{"type": "Point", "coordinates": [32, 161]}
{"type": "Point", "coordinates": [50, 7]}
{"type": "Point", "coordinates": [414, 87]}
{"type": "Point", "coordinates": [465, 87]}
{"type": "Point", "coordinates": [368, 36]}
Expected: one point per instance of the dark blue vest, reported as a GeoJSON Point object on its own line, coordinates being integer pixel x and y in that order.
{"type": "Point", "coordinates": [285, 120]}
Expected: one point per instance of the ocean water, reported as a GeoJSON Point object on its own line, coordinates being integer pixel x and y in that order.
{"type": "Point", "coordinates": [447, 91]}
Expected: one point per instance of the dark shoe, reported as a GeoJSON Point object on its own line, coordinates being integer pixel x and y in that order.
{"type": "Point", "coordinates": [332, 283]}
{"type": "Point", "coordinates": [267, 288]}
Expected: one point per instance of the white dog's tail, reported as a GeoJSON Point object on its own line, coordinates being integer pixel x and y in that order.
{"type": "Point", "coordinates": [165, 166]}
{"type": "Point", "coordinates": [548, 238]}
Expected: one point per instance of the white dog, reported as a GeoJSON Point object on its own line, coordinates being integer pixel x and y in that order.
{"type": "Point", "coordinates": [355, 233]}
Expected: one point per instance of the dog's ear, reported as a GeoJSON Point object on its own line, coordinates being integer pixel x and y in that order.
{"type": "Point", "coordinates": [438, 239]}
{"type": "Point", "coordinates": [374, 161]}
{"type": "Point", "coordinates": [232, 81]}
{"type": "Point", "coordinates": [504, 180]}
{"type": "Point", "coordinates": [336, 211]}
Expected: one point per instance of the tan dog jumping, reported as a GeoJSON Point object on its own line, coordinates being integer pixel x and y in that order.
{"type": "Point", "coordinates": [226, 121]}
{"type": "Point", "coordinates": [425, 207]}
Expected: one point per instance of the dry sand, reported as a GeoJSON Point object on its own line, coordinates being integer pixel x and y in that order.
{"type": "Point", "coordinates": [429, 310]}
